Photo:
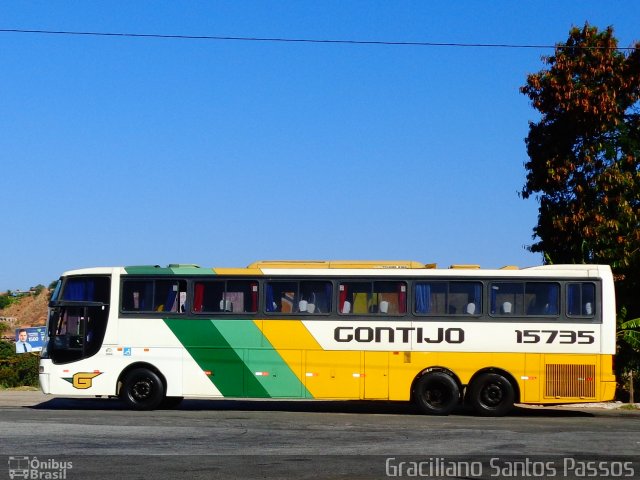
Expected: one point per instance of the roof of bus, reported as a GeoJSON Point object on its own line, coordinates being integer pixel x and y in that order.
{"type": "Point", "coordinates": [350, 267]}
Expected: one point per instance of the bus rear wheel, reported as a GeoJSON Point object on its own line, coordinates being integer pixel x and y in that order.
{"type": "Point", "coordinates": [492, 395]}
{"type": "Point", "coordinates": [142, 389]}
{"type": "Point", "coordinates": [436, 393]}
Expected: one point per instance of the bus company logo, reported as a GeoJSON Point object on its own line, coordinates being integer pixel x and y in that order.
{"type": "Point", "coordinates": [34, 468]}
{"type": "Point", "coordinates": [345, 334]}
{"type": "Point", "coordinates": [82, 380]}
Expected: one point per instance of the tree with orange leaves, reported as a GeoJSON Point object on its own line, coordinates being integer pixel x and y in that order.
{"type": "Point", "coordinates": [584, 157]}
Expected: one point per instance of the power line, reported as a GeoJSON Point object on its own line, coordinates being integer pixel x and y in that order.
{"type": "Point", "coordinates": [296, 40]}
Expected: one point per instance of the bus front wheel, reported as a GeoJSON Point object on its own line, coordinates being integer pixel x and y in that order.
{"type": "Point", "coordinates": [436, 393]}
{"type": "Point", "coordinates": [492, 395]}
{"type": "Point", "coordinates": [142, 389]}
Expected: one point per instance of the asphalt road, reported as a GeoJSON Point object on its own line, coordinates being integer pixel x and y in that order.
{"type": "Point", "coordinates": [307, 439]}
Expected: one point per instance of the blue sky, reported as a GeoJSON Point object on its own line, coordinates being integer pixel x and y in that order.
{"type": "Point", "coordinates": [124, 151]}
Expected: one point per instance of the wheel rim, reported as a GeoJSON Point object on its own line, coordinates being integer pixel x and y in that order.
{"type": "Point", "coordinates": [437, 395]}
{"type": "Point", "coordinates": [492, 395]}
{"type": "Point", "coordinates": [142, 389]}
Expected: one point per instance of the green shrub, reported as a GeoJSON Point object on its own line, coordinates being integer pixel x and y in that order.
{"type": "Point", "coordinates": [17, 370]}
{"type": "Point", "coordinates": [5, 301]}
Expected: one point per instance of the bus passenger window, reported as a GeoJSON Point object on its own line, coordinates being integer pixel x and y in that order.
{"type": "Point", "coordinates": [305, 297]}
{"type": "Point", "coordinates": [448, 298]}
{"type": "Point", "coordinates": [315, 297]}
{"type": "Point", "coordinates": [465, 297]}
{"type": "Point", "coordinates": [220, 296]}
{"type": "Point", "coordinates": [137, 296]}
{"type": "Point", "coordinates": [581, 299]}
{"type": "Point", "coordinates": [542, 298]}
{"type": "Point", "coordinates": [525, 298]}
{"type": "Point", "coordinates": [207, 296]}
{"type": "Point", "coordinates": [241, 296]}
{"type": "Point", "coordinates": [154, 295]}
{"type": "Point", "coordinates": [507, 298]}
{"type": "Point", "coordinates": [281, 296]}
{"type": "Point", "coordinates": [373, 298]}
{"type": "Point", "coordinates": [169, 295]}
{"type": "Point", "coordinates": [391, 297]}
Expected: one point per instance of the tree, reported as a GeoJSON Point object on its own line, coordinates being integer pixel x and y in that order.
{"type": "Point", "coordinates": [584, 152]}
{"type": "Point", "coordinates": [584, 157]}
{"type": "Point", "coordinates": [17, 369]}
{"type": "Point", "coordinates": [5, 301]}
{"type": "Point", "coordinates": [628, 346]}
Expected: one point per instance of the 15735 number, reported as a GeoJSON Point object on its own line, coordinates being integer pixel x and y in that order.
{"type": "Point", "coordinates": [556, 336]}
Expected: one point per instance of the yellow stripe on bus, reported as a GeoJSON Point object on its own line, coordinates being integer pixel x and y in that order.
{"type": "Point", "coordinates": [291, 340]}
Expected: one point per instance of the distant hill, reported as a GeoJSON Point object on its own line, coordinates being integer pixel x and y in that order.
{"type": "Point", "coordinates": [29, 311]}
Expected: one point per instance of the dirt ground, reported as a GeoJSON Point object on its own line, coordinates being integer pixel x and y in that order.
{"type": "Point", "coordinates": [28, 311]}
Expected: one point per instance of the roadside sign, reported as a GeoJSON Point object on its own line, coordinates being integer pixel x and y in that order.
{"type": "Point", "coordinates": [30, 339]}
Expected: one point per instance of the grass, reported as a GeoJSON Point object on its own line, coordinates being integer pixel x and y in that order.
{"type": "Point", "coordinates": [19, 389]}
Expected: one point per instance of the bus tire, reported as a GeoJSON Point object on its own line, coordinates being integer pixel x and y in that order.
{"type": "Point", "coordinates": [491, 395]}
{"type": "Point", "coordinates": [142, 389]}
{"type": "Point", "coordinates": [436, 393]}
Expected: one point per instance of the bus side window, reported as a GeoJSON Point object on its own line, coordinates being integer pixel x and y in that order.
{"type": "Point", "coordinates": [241, 296]}
{"type": "Point", "coordinates": [431, 298]}
{"type": "Point", "coordinates": [281, 296]}
{"type": "Point", "coordinates": [542, 298]}
{"type": "Point", "coordinates": [448, 298]}
{"type": "Point", "coordinates": [373, 298]}
{"type": "Point", "coordinates": [581, 299]}
{"type": "Point", "coordinates": [137, 295]}
{"type": "Point", "coordinates": [230, 296]}
{"type": "Point", "coordinates": [315, 297]}
{"type": "Point", "coordinates": [507, 298]}
{"type": "Point", "coordinates": [391, 296]}
{"type": "Point", "coordinates": [169, 295]}
{"type": "Point", "coordinates": [465, 297]}
{"type": "Point", "coordinates": [154, 295]}
{"type": "Point", "coordinates": [207, 296]}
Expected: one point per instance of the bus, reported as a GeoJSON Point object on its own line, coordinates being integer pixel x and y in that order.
{"type": "Point", "coordinates": [340, 330]}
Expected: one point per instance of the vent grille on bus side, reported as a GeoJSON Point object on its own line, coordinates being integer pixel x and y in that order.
{"type": "Point", "coordinates": [570, 381]}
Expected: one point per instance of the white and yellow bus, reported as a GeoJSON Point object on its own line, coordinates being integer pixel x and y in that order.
{"type": "Point", "coordinates": [334, 330]}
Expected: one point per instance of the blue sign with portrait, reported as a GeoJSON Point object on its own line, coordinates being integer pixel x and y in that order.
{"type": "Point", "coordinates": [30, 339]}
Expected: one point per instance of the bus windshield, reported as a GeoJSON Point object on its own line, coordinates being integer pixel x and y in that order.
{"type": "Point", "coordinates": [78, 313]}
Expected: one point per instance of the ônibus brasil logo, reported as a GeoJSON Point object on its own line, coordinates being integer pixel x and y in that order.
{"type": "Point", "coordinates": [35, 468]}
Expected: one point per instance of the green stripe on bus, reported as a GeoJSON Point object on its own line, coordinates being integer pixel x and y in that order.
{"type": "Point", "coordinates": [263, 361]}
{"type": "Point", "coordinates": [192, 271]}
{"type": "Point", "coordinates": [170, 270]}
{"type": "Point", "coordinates": [211, 351]}
{"type": "Point", "coordinates": [147, 270]}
